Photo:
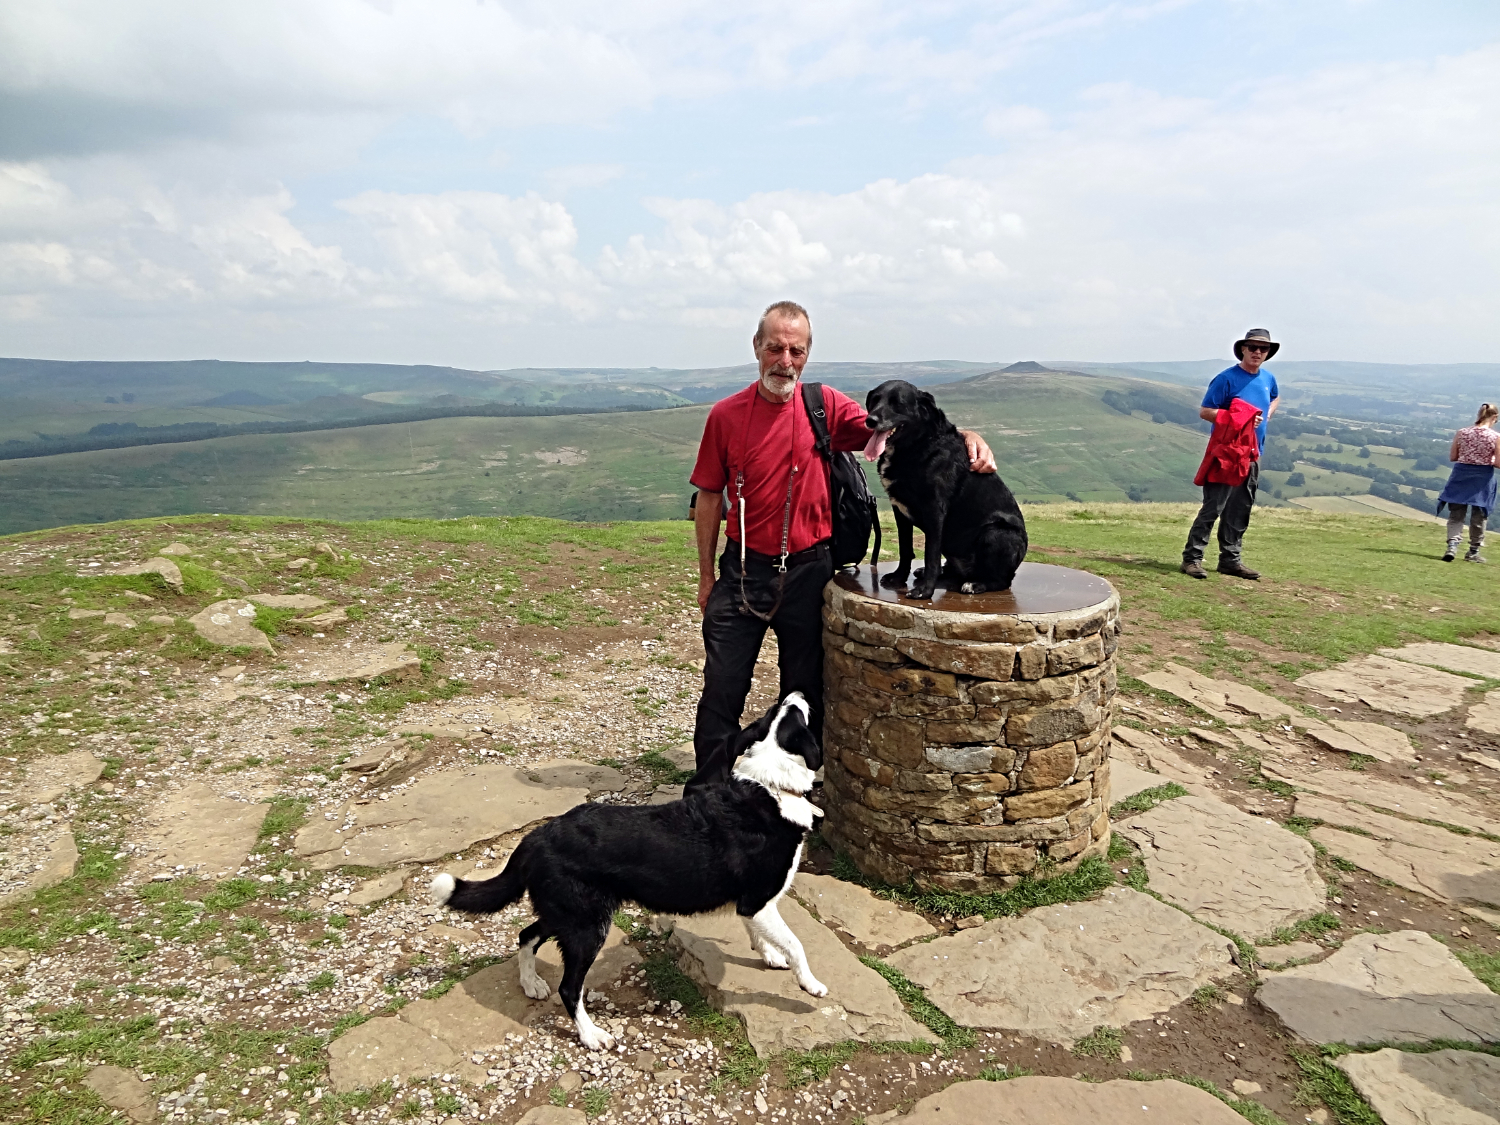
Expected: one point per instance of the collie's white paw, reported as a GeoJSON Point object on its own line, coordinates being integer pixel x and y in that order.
{"type": "Point", "coordinates": [774, 958]}
{"type": "Point", "coordinates": [596, 1039]}
{"type": "Point", "coordinates": [813, 987]}
{"type": "Point", "coordinates": [534, 986]}
{"type": "Point", "coordinates": [441, 888]}
{"type": "Point", "coordinates": [970, 588]}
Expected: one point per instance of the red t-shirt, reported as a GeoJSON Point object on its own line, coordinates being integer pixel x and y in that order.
{"type": "Point", "coordinates": [745, 433]}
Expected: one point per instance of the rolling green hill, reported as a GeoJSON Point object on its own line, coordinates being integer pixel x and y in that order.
{"type": "Point", "coordinates": [1053, 436]}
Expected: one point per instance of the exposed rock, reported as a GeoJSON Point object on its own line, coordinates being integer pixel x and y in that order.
{"type": "Point", "coordinates": [84, 614]}
{"type": "Point", "coordinates": [120, 620]}
{"type": "Point", "coordinates": [1442, 1088]}
{"type": "Point", "coordinates": [338, 615]}
{"type": "Point", "coordinates": [13, 960]}
{"type": "Point", "coordinates": [1223, 699]}
{"type": "Point", "coordinates": [1455, 658]}
{"type": "Point", "coordinates": [165, 569]}
{"type": "Point", "coordinates": [681, 756]}
{"type": "Point", "coordinates": [60, 864]}
{"type": "Point", "coordinates": [120, 1089]}
{"type": "Point", "coordinates": [569, 773]}
{"type": "Point", "coordinates": [1226, 867]}
{"type": "Point", "coordinates": [1487, 761]}
{"type": "Point", "coordinates": [1119, 958]}
{"type": "Point", "coordinates": [175, 549]}
{"type": "Point", "coordinates": [439, 814]}
{"type": "Point", "coordinates": [666, 794]}
{"type": "Point", "coordinates": [391, 660]}
{"type": "Point", "coordinates": [1349, 785]}
{"type": "Point", "coordinates": [229, 623]}
{"type": "Point", "coordinates": [378, 890]}
{"type": "Point", "coordinates": [1485, 716]}
{"type": "Point", "coordinates": [1370, 739]}
{"type": "Point", "coordinates": [287, 601]}
{"type": "Point", "coordinates": [1034, 1100]}
{"type": "Point", "coordinates": [871, 921]}
{"type": "Point", "coordinates": [1389, 685]}
{"type": "Point", "coordinates": [201, 831]}
{"type": "Point", "coordinates": [160, 619]}
{"type": "Point", "coordinates": [1398, 987]}
{"type": "Point", "coordinates": [716, 954]}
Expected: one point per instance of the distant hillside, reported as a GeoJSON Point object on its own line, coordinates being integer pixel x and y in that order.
{"type": "Point", "coordinates": [1054, 437]}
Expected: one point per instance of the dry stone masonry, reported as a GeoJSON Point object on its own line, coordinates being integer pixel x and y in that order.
{"type": "Point", "coordinates": [967, 738]}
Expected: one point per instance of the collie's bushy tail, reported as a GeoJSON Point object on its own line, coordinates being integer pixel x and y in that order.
{"type": "Point", "coordinates": [485, 896]}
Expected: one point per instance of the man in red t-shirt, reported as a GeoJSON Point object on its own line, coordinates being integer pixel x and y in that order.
{"type": "Point", "coordinates": [758, 446]}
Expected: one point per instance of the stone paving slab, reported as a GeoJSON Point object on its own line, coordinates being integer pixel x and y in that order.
{"type": "Point", "coordinates": [1066, 1101]}
{"type": "Point", "coordinates": [1370, 739]}
{"type": "Point", "coordinates": [1446, 878]}
{"type": "Point", "coordinates": [1453, 658]}
{"type": "Point", "coordinates": [570, 773]}
{"type": "Point", "coordinates": [1126, 780]}
{"type": "Point", "coordinates": [1441, 1088]}
{"type": "Point", "coordinates": [429, 1037]}
{"type": "Point", "coordinates": [872, 922]}
{"type": "Point", "coordinates": [1401, 987]}
{"type": "Point", "coordinates": [123, 1091]}
{"type": "Point", "coordinates": [1485, 716]}
{"type": "Point", "coordinates": [1223, 699]}
{"type": "Point", "coordinates": [1226, 867]}
{"type": "Point", "coordinates": [1058, 972]}
{"type": "Point", "coordinates": [1350, 785]}
{"type": "Point", "coordinates": [1393, 686]}
{"type": "Point", "coordinates": [1291, 951]}
{"type": "Point", "coordinates": [442, 813]}
{"type": "Point", "coordinates": [201, 831]}
{"type": "Point", "coordinates": [379, 889]}
{"type": "Point", "coordinates": [715, 952]}
{"type": "Point", "coordinates": [1153, 752]}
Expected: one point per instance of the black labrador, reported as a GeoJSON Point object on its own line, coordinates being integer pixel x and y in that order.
{"type": "Point", "coordinates": [970, 518]}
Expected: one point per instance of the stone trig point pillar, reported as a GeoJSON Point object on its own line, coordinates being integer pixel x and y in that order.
{"type": "Point", "coordinates": [967, 737]}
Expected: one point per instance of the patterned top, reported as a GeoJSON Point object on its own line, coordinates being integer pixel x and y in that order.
{"type": "Point", "coordinates": [1476, 445]}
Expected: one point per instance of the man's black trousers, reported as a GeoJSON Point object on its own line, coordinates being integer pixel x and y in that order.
{"type": "Point", "coordinates": [1230, 505]}
{"type": "Point", "coordinates": [732, 640]}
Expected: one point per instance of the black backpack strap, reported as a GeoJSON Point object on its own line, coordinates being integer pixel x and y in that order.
{"type": "Point", "coordinates": [812, 399]}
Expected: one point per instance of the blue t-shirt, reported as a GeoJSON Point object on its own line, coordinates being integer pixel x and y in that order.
{"type": "Point", "coordinates": [1235, 382]}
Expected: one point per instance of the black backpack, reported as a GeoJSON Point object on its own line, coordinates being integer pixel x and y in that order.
{"type": "Point", "coordinates": [854, 512]}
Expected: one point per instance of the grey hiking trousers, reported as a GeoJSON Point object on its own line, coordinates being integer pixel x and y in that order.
{"type": "Point", "coordinates": [1230, 506]}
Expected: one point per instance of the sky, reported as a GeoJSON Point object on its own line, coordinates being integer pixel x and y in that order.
{"type": "Point", "coordinates": [586, 183]}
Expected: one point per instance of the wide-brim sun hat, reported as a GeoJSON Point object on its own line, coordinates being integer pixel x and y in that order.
{"type": "Point", "coordinates": [1256, 336]}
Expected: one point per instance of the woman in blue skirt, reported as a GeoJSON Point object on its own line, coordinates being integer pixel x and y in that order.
{"type": "Point", "coordinates": [1470, 491]}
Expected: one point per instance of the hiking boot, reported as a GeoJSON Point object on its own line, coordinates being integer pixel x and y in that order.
{"type": "Point", "coordinates": [1452, 552]}
{"type": "Point", "coordinates": [1238, 569]}
{"type": "Point", "coordinates": [1474, 556]}
{"type": "Point", "coordinates": [1194, 570]}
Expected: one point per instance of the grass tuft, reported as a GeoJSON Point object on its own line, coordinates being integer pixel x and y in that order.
{"type": "Point", "coordinates": [1147, 799]}
{"type": "Point", "coordinates": [1101, 1043]}
{"type": "Point", "coordinates": [1087, 880]}
{"type": "Point", "coordinates": [1321, 1081]}
{"type": "Point", "coordinates": [921, 1009]}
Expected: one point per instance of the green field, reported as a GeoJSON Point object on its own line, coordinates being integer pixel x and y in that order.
{"type": "Point", "coordinates": [1053, 437]}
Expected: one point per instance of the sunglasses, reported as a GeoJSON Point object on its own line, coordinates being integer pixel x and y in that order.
{"type": "Point", "coordinates": [1257, 348]}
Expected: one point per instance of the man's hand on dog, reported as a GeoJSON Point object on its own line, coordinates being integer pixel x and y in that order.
{"type": "Point", "coordinates": [981, 456]}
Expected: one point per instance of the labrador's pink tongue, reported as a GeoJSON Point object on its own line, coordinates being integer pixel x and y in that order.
{"type": "Point", "coordinates": [876, 445]}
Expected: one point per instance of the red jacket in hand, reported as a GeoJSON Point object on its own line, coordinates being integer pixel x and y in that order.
{"type": "Point", "coordinates": [1232, 447]}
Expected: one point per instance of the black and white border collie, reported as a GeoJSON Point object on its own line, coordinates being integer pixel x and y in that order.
{"type": "Point", "coordinates": [738, 842]}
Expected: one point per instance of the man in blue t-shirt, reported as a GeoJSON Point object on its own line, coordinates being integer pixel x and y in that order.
{"type": "Point", "coordinates": [1230, 504]}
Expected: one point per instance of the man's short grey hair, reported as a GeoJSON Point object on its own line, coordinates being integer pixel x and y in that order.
{"type": "Point", "coordinates": [783, 308]}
